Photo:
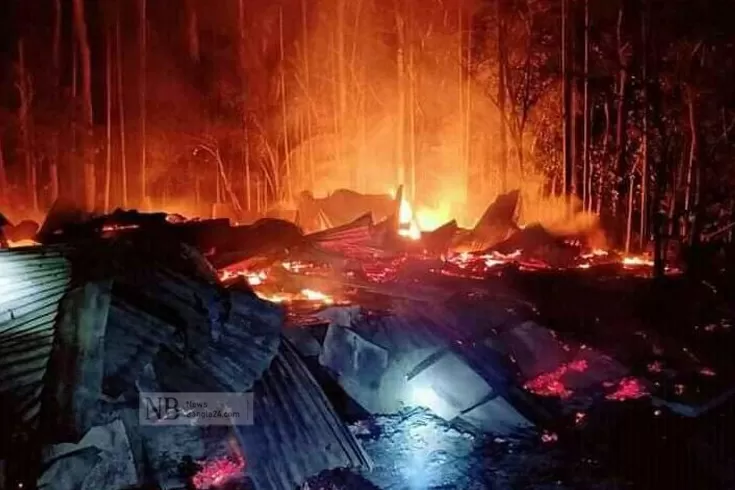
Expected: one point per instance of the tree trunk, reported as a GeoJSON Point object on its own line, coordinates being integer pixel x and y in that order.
{"type": "Point", "coordinates": [400, 149]}
{"type": "Point", "coordinates": [25, 93]}
{"type": "Point", "coordinates": [586, 191]}
{"type": "Point", "coordinates": [142, 45]}
{"type": "Point", "coordinates": [694, 143]}
{"type": "Point", "coordinates": [4, 188]}
{"type": "Point", "coordinates": [242, 50]}
{"type": "Point", "coordinates": [86, 142]}
{"type": "Point", "coordinates": [108, 110]}
{"type": "Point", "coordinates": [56, 60]}
{"type": "Point", "coordinates": [644, 143]}
{"type": "Point", "coordinates": [284, 112]}
{"type": "Point", "coordinates": [121, 113]}
{"type": "Point", "coordinates": [601, 172]}
{"type": "Point", "coordinates": [503, 143]}
{"type": "Point", "coordinates": [412, 125]}
{"type": "Point", "coordinates": [629, 221]}
{"type": "Point", "coordinates": [567, 101]}
{"type": "Point", "coordinates": [307, 82]}
{"type": "Point", "coordinates": [621, 122]}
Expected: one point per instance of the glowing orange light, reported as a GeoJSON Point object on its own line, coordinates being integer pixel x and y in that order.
{"type": "Point", "coordinates": [311, 295]}
{"type": "Point", "coordinates": [407, 226]}
{"type": "Point", "coordinates": [22, 243]}
{"type": "Point", "coordinates": [634, 261]}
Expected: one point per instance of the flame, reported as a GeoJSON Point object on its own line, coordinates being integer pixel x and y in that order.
{"type": "Point", "coordinates": [22, 243]}
{"type": "Point", "coordinates": [407, 225]}
{"type": "Point", "coordinates": [311, 295]}
{"type": "Point", "coordinates": [429, 219]}
{"type": "Point", "coordinates": [637, 261]}
{"type": "Point", "coordinates": [253, 278]}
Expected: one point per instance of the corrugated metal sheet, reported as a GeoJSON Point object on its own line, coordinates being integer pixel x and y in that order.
{"type": "Point", "coordinates": [296, 434]}
{"type": "Point", "coordinates": [32, 283]}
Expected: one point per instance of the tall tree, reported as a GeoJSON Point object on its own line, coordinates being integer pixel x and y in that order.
{"type": "Point", "coordinates": [143, 75]}
{"type": "Point", "coordinates": [121, 109]}
{"type": "Point", "coordinates": [502, 116]}
{"type": "Point", "coordinates": [586, 167]}
{"type": "Point", "coordinates": [108, 116]}
{"type": "Point", "coordinates": [566, 57]}
{"type": "Point", "coordinates": [24, 86]}
{"type": "Point", "coordinates": [85, 59]}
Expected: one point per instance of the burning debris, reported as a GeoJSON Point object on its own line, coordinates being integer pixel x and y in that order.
{"type": "Point", "coordinates": [395, 316]}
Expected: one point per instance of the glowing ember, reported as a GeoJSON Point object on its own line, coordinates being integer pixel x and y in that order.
{"type": "Point", "coordinates": [218, 472]}
{"type": "Point", "coordinates": [628, 389]}
{"type": "Point", "coordinates": [114, 228]}
{"type": "Point", "coordinates": [635, 261]}
{"type": "Point", "coordinates": [496, 258]}
{"type": "Point", "coordinates": [707, 372]}
{"type": "Point", "coordinates": [22, 243]}
{"type": "Point", "coordinates": [295, 266]}
{"type": "Point", "coordinates": [598, 252]}
{"type": "Point", "coordinates": [655, 367]}
{"type": "Point", "coordinates": [549, 437]}
{"type": "Point", "coordinates": [550, 384]}
{"type": "Point", "coordinates": [253, 278]}
{"type": "Point", "coordinates": [274, 298]}
{"type": "Point", "coordinates": [311, 295]}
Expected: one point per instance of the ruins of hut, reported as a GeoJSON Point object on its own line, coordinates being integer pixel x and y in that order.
{"type": "Point", "coordinates": [84, 329]}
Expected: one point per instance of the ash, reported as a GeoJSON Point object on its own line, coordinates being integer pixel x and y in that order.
{"type": "Point", "coordinates": [415, 450]}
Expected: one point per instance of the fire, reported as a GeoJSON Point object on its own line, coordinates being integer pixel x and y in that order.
{"type": "Point", "coordinates": [407, 225]}
{"type": "Point", "coordinates": [429, 219]}
{"type": "Point", "coordinates": [636, 261]}
{"type": "Point", "coordinates": [22, 243]}
{"type": "Point", "coordinates": [253, 278]}
{"type": "Point", "coordinates": [311, 295]}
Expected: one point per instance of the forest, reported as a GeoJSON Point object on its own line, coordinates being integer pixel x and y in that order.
{"type": "Point", "coordinates": [621, 110]}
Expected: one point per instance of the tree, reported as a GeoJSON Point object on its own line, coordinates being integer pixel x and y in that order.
{"type": "Point", "coordinates": [85, 58]}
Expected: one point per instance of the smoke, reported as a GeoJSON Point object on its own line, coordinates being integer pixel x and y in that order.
{"type": "Point", "coordinates": [380, 94]}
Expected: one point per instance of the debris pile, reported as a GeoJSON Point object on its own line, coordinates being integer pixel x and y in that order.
{"type": "Point", "coordinates": [500, 329]}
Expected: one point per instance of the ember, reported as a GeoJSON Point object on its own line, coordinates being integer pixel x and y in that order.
{"type": "Point", "coordinates": [218, 472]}
{"type": "Point", "coordinates": [22, 243]}
{"type": "Point", "coordinates": [628, 389]}
{"type": "Point", "coordinates": [550, 384]}
{"type": "Point", "coordinates": [549, 437]}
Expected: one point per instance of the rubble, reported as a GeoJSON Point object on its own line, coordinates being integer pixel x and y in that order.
{"type": "Point", "coordinates": [500, 331]}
